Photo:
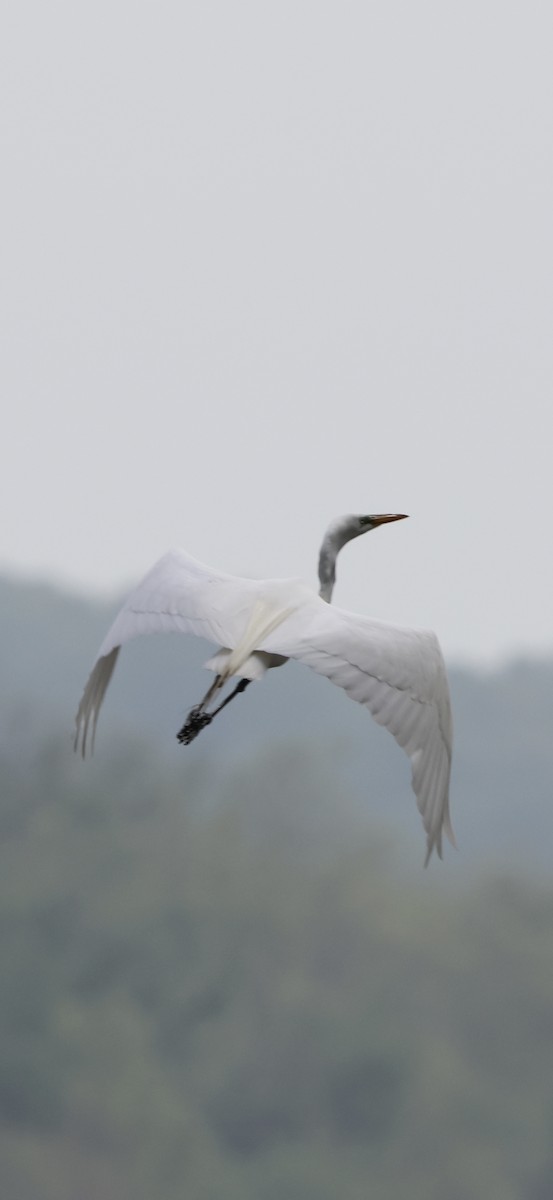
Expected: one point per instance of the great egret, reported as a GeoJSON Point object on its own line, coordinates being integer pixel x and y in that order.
{"type": "Point", "coordinates": [397, 673]}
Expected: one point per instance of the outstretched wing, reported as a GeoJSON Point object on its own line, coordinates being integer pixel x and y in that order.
{"type": "Point", "coordinates": [178, 595]}
{"type": "Point", "coordinates": [399, 675]}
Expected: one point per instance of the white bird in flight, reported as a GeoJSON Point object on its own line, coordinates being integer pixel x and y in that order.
{"type": "Point", "coordinates": [397, 673]}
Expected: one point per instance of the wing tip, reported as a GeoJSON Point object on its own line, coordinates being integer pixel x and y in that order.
{"type": "Point", "coordinates": [434, 840]}
{"type": "Point", "coordinates": [91, 701]}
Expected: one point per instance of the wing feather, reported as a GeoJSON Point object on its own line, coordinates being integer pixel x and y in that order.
{"type": "Point", "coordinates": [181, 595]}
{"type": "Point", "coordinates": [178, 595]}
{"type": "Point", "coordinates": [399, 675]}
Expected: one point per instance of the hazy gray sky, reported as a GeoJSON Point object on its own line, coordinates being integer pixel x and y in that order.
{"type": "Point", "coordinates": [265, 263]}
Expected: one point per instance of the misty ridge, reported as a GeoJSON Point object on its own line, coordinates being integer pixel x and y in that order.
{"type": "Point", "coordinates": [225, 972]}
{"type": "Point", "coordinates": [502, 779]}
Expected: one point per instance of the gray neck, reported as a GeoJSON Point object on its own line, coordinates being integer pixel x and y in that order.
{"type": "Point", "coordinates": [336, 536]}
{"type": "Point", "coordinates": [327, 572]}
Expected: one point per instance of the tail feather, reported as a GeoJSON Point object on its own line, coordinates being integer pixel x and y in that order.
{"type": "Point", "coordinates": [264, 617]}
{"type": "Point", "coordinates": [254, 666]}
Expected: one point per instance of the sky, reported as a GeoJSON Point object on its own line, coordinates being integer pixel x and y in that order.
{"type": "Point", "coordinates": [264, 264]}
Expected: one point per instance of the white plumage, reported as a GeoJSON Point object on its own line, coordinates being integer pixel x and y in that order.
{"type": "Point", "coordinates": [398, 674]}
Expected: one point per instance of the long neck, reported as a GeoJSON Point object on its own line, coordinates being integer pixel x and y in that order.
{"type": "Point", "coordinates": [327, 572]}
{"type": "Point", "coordinates": [335, 537]}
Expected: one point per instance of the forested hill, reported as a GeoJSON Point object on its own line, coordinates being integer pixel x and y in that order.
{"type": "Point", "coordinates": [224, 974]}
{"type": "Point", "coordinates": [502, 787]}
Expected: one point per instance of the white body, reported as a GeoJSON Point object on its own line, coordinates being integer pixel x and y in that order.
{"type": "Point", "coordinates": [398, 674]}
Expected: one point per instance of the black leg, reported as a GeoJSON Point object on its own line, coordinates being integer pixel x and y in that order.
{"type": "Point", "coordinates": [240, 687]}
{"type": "Point", "coordinates": [197, 719]}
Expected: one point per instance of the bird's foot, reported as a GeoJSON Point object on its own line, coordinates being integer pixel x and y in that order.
{"type": "Point", "coordinates": [195, 722]}
{"type": "Point", "coordinates": [198, 718]}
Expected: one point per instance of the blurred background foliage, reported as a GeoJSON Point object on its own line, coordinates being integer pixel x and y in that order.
{"type": "Point", "coordinates": [221, 980]}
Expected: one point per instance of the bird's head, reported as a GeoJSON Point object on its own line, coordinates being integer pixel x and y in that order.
{"type": "Point", "coordinates": [340, 531]}
{"type": "Point", "coordinates": [372, 522]}
{"type": "Point", "coordinates": [343, 529]}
